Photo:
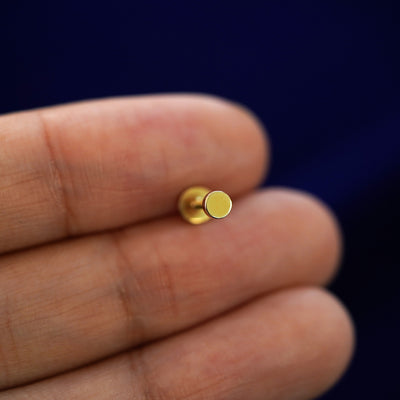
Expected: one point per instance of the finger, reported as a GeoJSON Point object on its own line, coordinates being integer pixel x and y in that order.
{"type": "Point", "coordinates": [100, 165]}
{"type": "Point", "coordinates": [293, 344]}
{"type": "Point", "coordinates": [70, 304]}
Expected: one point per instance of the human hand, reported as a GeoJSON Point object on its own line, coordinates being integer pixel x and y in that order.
{"type": "Point", "coordinates": [106, 293]}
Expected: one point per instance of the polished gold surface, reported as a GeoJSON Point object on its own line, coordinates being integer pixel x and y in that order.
{"type": "Point", "coordinates": [217, 204]}
{"type": "Point", "coordinates": [199, 204]}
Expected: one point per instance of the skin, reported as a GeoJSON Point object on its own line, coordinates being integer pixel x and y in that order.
{"type": "Point", "coordinates": [106, 293]}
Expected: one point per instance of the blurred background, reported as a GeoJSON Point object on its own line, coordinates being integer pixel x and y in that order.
{"type": "Point", "coordinates": [324, 77]}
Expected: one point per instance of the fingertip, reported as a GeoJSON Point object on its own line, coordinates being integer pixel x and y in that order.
{"type": "Point", "coordinates": [254, 136]}
{"type": "Point", "coordinates": [332, 347]}
{"type": "Point", "coordinates": [260, 135]}
{"type": "Point", "coordinates": [320, 226]}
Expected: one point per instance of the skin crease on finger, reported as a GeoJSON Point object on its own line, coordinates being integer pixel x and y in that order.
{"type": "Point", "coordinates": [72, 312]}
{"type": "Point", "coordinates": [292, 345]}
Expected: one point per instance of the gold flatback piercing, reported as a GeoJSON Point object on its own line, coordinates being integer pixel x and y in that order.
{"type": "Point", "coordinates": [199, 204]}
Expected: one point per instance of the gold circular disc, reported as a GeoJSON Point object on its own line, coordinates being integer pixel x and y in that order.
{"type": "Point", "coordinates": [217, 204]}
{"type": "Point", "coordinates": [190, 205]}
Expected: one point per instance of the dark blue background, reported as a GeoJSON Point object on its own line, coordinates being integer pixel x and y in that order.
{"type": "Point", "coordinates": [324, 76]}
